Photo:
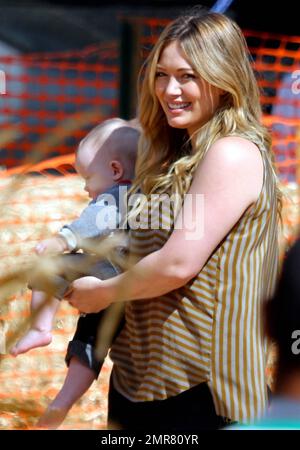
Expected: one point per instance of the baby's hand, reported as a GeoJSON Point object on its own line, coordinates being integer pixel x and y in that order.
{"type": "Point", "coordinates": [51, 246]}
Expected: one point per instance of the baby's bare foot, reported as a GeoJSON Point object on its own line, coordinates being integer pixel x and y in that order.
{"type": "Point", "coordinates": [32, 339]}
{"type": "Point", "coordinates": [52, 418]}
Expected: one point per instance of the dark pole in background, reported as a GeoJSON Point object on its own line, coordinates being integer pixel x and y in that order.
{"type": "Point", "coordinates": [130, 62]}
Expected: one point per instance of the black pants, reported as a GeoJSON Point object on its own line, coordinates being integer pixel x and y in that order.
{"type": "Point", "coordinates": [84, 342]}
{"type": "Point", "coordinates": [192, 410]}
{"type": "Point", "coordinates": [85, 339]}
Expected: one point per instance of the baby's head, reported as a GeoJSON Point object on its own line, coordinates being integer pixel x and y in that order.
{"type": "Point", "coordinates": [107, 155]}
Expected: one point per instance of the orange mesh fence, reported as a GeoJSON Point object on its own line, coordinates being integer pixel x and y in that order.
{"type": "Point", "coordinates": [277, 62]}
{"type": "Point", "coordinates": [47, 92]}
{"type": "Point", "coordinates": [60, 97]}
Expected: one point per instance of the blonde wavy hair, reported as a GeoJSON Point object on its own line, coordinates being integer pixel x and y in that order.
{"type": "Point", "coordinates": [216, 49]}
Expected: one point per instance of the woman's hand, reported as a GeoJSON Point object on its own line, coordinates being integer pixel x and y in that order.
{"type": "Point", "coordinates": [87, 294]}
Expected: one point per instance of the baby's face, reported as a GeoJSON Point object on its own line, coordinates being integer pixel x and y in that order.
{"type": "Point", "coordinates": [98, 176]}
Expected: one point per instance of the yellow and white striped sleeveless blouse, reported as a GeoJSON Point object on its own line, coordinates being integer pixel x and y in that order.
{"type": "Point", "coordinates": [210, 330]}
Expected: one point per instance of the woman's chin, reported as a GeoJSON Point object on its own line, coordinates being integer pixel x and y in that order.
{"type": "Point", "coordinates": [176, 122]}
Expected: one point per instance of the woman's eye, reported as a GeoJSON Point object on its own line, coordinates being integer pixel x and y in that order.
{"type": "Point", "coordinates": [159, 74]}
{"type": "Point", "coordinates": [188, 76]}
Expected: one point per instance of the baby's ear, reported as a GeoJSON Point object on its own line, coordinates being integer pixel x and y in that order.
{"type": "Point", "coordinates": [117, 169]}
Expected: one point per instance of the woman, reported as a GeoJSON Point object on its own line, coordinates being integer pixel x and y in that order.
{"type": "Point", "coordinates": [191, 354]}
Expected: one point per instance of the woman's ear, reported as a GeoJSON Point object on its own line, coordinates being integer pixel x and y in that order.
{"type": "Point", "coordinates": [225, 97]}
{"type": "Point", "coordinates": [222, 92]}
{"type": "Point", "coordinates": [117, 170]}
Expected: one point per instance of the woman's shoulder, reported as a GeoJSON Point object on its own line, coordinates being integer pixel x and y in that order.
{"type": "Point", "coordinates": [235, 148]}
{"type": "Point", "coordinates": [232, 165]}
{"type": "Point", "coordinates": [234, 152]}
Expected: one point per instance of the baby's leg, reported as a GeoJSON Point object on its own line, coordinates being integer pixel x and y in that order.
{"type": "Point", "coordinates": [43, 307]}
{"type": "Point", "coordinates": [83, 369]}
{"type": "Point", "coordinates": [78, 380]}
{"type": "Point", "coordinates": [43, 311]}
{"type": "Point", "coordinates": [84, 365]}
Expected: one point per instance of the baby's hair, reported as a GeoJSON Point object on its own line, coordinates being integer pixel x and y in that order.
{"type": "Point", "coordinates": [119, 139]}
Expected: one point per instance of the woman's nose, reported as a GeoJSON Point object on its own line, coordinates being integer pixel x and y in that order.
{"type": "Point", "coordinates": [173, 87]}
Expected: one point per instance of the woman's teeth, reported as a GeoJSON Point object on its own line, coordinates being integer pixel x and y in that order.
{"type": "Point", "coordinates": [178, 105]}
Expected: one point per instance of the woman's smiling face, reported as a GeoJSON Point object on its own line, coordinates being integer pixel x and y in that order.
{"type": "Point", "coordinates": [187, 99]}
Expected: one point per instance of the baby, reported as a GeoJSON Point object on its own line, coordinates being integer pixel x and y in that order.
{"type": "Point", "coordinates": [105, 158]}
